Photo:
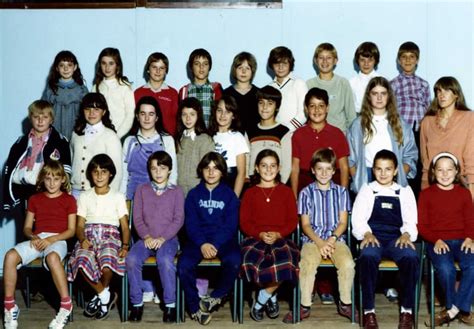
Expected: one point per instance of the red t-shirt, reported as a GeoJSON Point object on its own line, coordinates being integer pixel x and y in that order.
{"type": "Point", "coordinates": [168, 100]}
{"type": "Point", "coordinates": [306, 141]}
{"type": "Point", "coordinates": [51, 214]}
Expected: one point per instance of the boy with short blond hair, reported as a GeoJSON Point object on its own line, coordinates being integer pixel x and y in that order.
{"type": "Point", "coordinates": [200, 64]}
{"type": "Point", "coordinates": [324, 206]}
{"type": "Point", "coordinates": [340, 93]}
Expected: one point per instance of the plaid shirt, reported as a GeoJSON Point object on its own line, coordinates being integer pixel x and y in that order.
{"type": "Point", "coordinates": [323, 207]}
{"type": "Point", "coordinates": [205, 93]}
{"type": "Point", "coordinates": [413, 98]}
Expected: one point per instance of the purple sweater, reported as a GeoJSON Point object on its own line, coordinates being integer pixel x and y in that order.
{"type": "Point", "coordinates": [158, 216]}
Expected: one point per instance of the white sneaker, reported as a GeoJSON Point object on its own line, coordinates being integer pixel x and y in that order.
{"type": "Point", "coordinates": [60, 320]}
{"type": "Point", "coordinates": [11, 317]}
{"type": "Point", "coordinates": [148, 296]}
{"type": "Point", "coordinates": [156, 299]}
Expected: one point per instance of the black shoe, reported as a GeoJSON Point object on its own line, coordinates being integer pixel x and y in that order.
{"type": "Point", "coordinates": [272, 309]}
{"type": "Point", "coordinates": [136, 314]}
{"type": "Point", "coordinates": [92, 307]}
{"type": "Point", "coordinates": [257, 315]}
{"type": "Point", "coordinates": [169, 315]}
{"type": "Point", "coordinates": [102, 315]}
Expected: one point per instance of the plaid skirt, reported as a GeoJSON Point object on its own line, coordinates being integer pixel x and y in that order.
{"type": "Point", "coordinates": [106, 242]}
{"type": "Point", "coordinates": [263, 263]}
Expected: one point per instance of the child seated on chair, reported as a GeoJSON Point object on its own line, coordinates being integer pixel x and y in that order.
{"type": "Point", "coordinates": [384, 220]}
{"type": "Point", "coordinates": [101, 249]}
{"type": "Point", "coordinates": [211, 220]}
{"type": "Point", "coordinates": [158, 214]}
{"type": "Point", "coordinates": [267, 217]}
{"type": "Point", "coordinates": [324, 225]}
{"type": "Point", "coordinates": [447, 224]}
{"type": "Point", "coordinates": [52, 212]}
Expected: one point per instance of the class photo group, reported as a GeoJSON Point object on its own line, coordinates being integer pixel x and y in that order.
{"type": "Point", "coordinates": [269, 181]}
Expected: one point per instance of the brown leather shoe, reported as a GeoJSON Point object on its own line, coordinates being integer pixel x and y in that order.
{"type": "Point", "coordinates": [370, 321]}
{"type": "Point", "coordinates": [467, 319]}
{"type": "Point", "coordinates": [405, 321]}
{"type": "Point", "coordinates": [440, 318]}
{"type": "Point", "coordinates": [346, 311]}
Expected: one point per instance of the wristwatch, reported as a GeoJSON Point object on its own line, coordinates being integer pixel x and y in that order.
{"type": "Point", "coordinates": [335, 235]}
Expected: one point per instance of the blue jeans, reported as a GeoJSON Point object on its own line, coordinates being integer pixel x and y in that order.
{"type": "Point", "coordinates": [229, 254]}
{"type": "Point", "coordinates": [408, 264]}
{"type": "Point", "coordinates": [164, 262]}
{"type": "Point", "coordinates": [446, 273]}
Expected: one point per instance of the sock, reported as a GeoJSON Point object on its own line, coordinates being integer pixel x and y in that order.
{"type": "Point", "coordinates": [263, 297]}
{"type": "Point", "coordinates": [274, 298]}
{"type": "Point", "coordinates": [453, 311]}
{"type": "Point", "coordinates": [104, 296]}
{"type": "Point", "coordinates": [66, 303]}
{"type": "Point", "coordinates": [138, 305]}
{"type": "Point", "coordinates": [171, 305]}
{"type": "Point", "coordinates": [369, 311]}
{"type": "Point", "coordinates": [307, 308]}
{"type": "Point", "coordinates": [9, 302]}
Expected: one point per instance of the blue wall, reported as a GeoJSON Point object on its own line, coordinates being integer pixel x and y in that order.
{"type": "Point", "coordinates": [29, 40]}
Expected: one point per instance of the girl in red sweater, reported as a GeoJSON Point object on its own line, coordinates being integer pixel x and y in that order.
{"type": "Point", "coordinates": [446, 222]}
{"type": "Point", "coordinates": [267, 216]}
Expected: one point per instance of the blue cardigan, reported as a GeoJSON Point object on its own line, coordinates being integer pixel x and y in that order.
{"type": "Point", "coordinates": [407, 153]}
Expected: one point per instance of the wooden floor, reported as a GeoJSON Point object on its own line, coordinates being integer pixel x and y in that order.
{"type": "Point", "coordinates": [322, 316]}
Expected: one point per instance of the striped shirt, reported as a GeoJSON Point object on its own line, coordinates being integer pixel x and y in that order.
{"type": "Point", "coordinates": [323, 207]}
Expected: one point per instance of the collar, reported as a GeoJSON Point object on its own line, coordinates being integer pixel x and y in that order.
{"type": "Point", "coordinates": [379, 118]}
{"type": "Point", "coordinates": [43, 138]}
{"type": "Point", "coordinates": [163, 86]}
{"type": "Point", "coordinates": [69, 84]}
{"type": "Point", "coordinates": [189, 133]}
{"type": "Point", "coordinates": [332, 186]}
{"type": "Point", "coordinates": [376, 187]}
{"type": "Point", "coordinates": [94, 129]}
{"type": "Point", "coordinates": [139, 134]}
{"type": "Point", "coordinates": [287, 79]}
{"type": "Point", "coordinates": [157, 188]}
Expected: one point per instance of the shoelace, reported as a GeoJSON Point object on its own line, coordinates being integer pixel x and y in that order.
{"type": "Point", "coordinates": [11, 315]}
{"type": "Point", "coordinates": [60, 319]}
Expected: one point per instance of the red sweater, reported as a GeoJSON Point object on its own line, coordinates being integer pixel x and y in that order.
{"type": "Point", "coordinates": [168, 100]}
{"type": "Point", "coordinates": [445, 215]}
{"type": "Point", "coordinates": [278, 215]}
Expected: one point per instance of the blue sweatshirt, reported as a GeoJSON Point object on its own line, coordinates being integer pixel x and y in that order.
{"type": "Point", "coordinates": [211, 216]}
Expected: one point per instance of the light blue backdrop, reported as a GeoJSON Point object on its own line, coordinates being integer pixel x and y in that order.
{"type": "Point", "coordinates": [29, 40]}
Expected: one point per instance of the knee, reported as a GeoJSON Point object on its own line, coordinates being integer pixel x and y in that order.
{"type": "Point", "coordinates": [445, 270]}
{"type": "Point", "coordinates": [165, 262]}
{"type": "Point", "coordinates": [12, 258]}
{"type": "Point", "coordinates": [131, 261]}
{"type": "Point", "coordinates": [370, 255]}
{"type": "Point", "coordinates": [106, 271]}
{"type": "Point", "coordinates": [53, 259]}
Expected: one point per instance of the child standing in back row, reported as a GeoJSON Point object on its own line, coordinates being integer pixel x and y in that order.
{"type": "Point", "coordinates": [110, 82]}
{"type": "Point", "coordinates": [64, 91]}
{"type": "Point", "coordinates": [200, 64]}
{"type": "Point", "coordinates": [52, 212]}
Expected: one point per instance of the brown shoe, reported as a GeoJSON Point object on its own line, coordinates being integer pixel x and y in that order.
{"type": "Point", "coordinates": [405, 321]}
{"type": "Point", "coordinates": [304, 314]}
{"type": "Point", "coordinates": [346, 311]}
{"type": "Point", "coordinates": [370, 321]}
{"type": "Point", "coordinates": [440, 318]}
{"type": "Point", "coordinates": [467, 319]}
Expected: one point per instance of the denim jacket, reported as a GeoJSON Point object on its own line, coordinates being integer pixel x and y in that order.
{"type": "Point", "coordinates": [406, 154]}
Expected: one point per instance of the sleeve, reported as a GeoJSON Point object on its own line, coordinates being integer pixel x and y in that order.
{"type": "Point", "coordinates": [125, 149]}
{"type": "Point", "coordinates": [247, 222]}
{"type": "Point", "coordinates": [295, 149]}
{"type": "Point", "coordinates": [300, 118]}
{"type": "Point", "coordinates": [32, 204]}
{"type": "Point", "coordinates": [468, 152]}
{"type": "Point", "coordinates": [343, 145]}
{"type": "Point", "coordinates": [285, 157]}
{"type": "Point", "coordinates": [425, 161]}
{"type": "Point", "coordinates": [409, 212]}
{"type": "Point", "coordinates": [409, 150]}
{"type": "Point", "coordinates": [170, 148]}
{"type": "Point", "coordinates": [138, 221]}
{"type": "Point", "coordinates": [192, 221]}
{"type": "Point", "coordinates": [304, 206]}
{"type": "Point", "coordinates": [353, 154]}
{"type": "Point", "coordinates": [424, 225]}
{"type": "Point", "coordinates": [129, 109]}
{"type": "Point", "coordinates": [71, 205]}
{"type": "Point", "coordinates": [82, 205]}
{"type": "Point", "coordinates": [47, 94]}
{"type": "Point", "coordinates": [228, 230]}
{"type": "Point", "coordinates": [84, 90]}
{"type": "Point", "coordinates": [183, 92]}
{"type": "Point", "coordinates": [114, 151]}
{"type": "Point", "coordinates": [241, 144]}
{"type": "Point", "coordinates": [122, 209]}
{"type": "Point", "coordinates": [65, 154]}
{"type": "Point", "coordinates": [216, 86]}
{"type": "Point", "coordinates": [363, 205]}
{"type": "Point", "coordinates": [426, 96]}
{"type": "Point", "coordinates": [349, 107]}
{"type": "Point", "coordinates": [207, 146]}
{"type": "Point", "coordinates": [468, 214]}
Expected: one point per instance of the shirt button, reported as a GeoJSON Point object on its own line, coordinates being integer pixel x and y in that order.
{"type": "Point", "coordinates": [85, 147]}
{"type": "Point", "coordinates": [83, 159]}
{"type": "Point", "coordinates": [82, 171]}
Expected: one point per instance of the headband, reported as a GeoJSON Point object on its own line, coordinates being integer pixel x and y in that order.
{"type": "Point", "coordinates": [445, 155]}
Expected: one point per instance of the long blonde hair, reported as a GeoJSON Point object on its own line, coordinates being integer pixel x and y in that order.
{"type": "Point", "coordinates": [366, 113]}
